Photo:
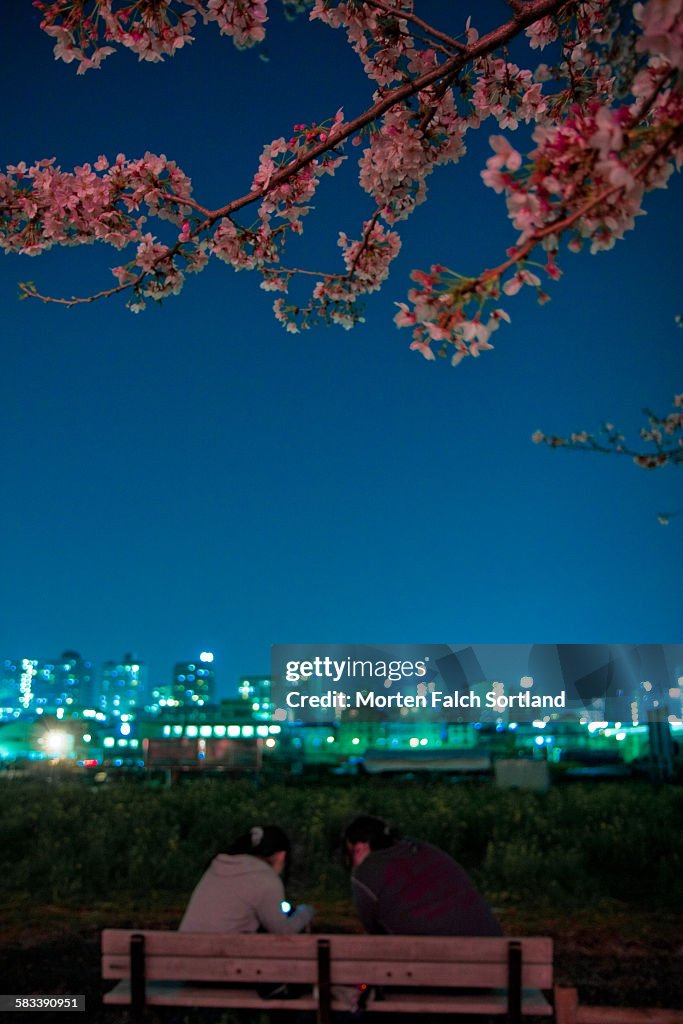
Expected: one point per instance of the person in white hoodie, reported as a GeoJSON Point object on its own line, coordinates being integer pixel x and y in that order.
{"type": "Point", "coordinates": [242, 891]}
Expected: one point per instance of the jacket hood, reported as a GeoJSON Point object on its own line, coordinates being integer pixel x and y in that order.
{"type": "Point", "coordinates": [240, 865]}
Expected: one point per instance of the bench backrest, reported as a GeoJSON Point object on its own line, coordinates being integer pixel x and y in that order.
{"type": "Point", "coordinates": [352, 959]}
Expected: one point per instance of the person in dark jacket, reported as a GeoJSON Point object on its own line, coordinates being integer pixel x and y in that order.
{"type": "Point", "coordinates": [408, 887]}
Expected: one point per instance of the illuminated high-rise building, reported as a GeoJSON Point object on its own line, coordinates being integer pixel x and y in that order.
{"type": "Point", "coordinates": [9, 688]}
{"type": "Point", "coordinates": [65, 684]}
{"type": "Point", "coordinates": [256, 690]}
{"type": "Point", "coordinates": [194, 682]}
{"type": "Point", "coordinates": [17, 686]}
{"type": "Point", "coordinates": [124, 686]}
{"type": "Point", "coordinates": [159, 698]}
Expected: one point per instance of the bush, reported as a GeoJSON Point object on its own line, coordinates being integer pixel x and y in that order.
{"type": "Point", "coordinates": [66, 843]}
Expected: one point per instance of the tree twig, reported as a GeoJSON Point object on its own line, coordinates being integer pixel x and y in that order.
{"type": "Point", "coordinates": [408, 16]}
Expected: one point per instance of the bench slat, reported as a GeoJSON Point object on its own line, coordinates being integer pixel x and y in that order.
{"type": "Point", "coordinates": [349, 947]}
{"type": "Point", "coordinates": [435, 975]}
{"type": "Point", "coordinates": [201, 944]}
{"type": "Point", "coordinates": [163, 968]}
{"type": "Point", "coordinates": [422, 947]}
{"type": "Point", "coordinates": [494, 1003]}
{"type": "Point", "coordinates": [172, 994]}
{"type": "Point", "coordinates": [343, 972]}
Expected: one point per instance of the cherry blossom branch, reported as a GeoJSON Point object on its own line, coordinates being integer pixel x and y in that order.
{"type": "Point", "coordinates": [29, 291]}
{"type": "Point", "coordinates": [534, 10]}
{"type": "Point", "coordinates": [367, 234]}
{"type": "Point", "coordinates": [664, 433]}
{"type": "Point", "coordinates": [562, 224]}
{"type": "Point", "coordinates": [291, 271]}
{"type": "Point", "coordinates": [326, 275]}
{"type": "Point", "coordinates": [186, 201]}
{"type": "Point", "coordinates": [667, 76]}
{"type": "Point", "coordinates": [583, 442]}
{"type": "Point", "coordinates": [519, 253]}
{"type": "Point", "coordinates": [439, 94]}
{"type": "Point", "coordinates": [600, 153]}
{"type": "Point", "coordinates": [411, 16]}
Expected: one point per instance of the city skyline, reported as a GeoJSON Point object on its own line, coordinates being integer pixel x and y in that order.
{"type": "Point", "coordinates": [128, 656]}
{"type": "Point", "coordinates": [581, 674]}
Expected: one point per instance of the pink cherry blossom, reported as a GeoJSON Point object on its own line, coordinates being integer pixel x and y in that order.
{"type": "Point", "coordinates": [662, 25]}
{"type": "Point", "coordinates": [521, 277]}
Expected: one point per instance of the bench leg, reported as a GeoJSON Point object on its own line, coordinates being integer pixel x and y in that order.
{"type": "Point", "coordinates": [566, 1004]}
{"type": "Point", "coordinates": [514, 982]}
{"type": "Point", "coordinates": [137, 978]}
{"type": "Point", "coordinates": [324, 1012]}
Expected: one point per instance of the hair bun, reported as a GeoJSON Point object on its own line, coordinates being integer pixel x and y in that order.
{"type": "Point", "coordinates": [256, 834]}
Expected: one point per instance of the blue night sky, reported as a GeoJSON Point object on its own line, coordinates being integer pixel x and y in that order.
{"type": "Point", "coordinates": [196, 478]}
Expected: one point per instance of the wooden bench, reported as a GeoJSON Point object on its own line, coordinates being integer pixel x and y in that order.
{"type": "Point", "coordinates": [501, 977]}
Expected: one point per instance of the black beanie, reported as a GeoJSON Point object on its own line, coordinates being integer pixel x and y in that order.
{"type": "Point", "coordinates": [374, 831]}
